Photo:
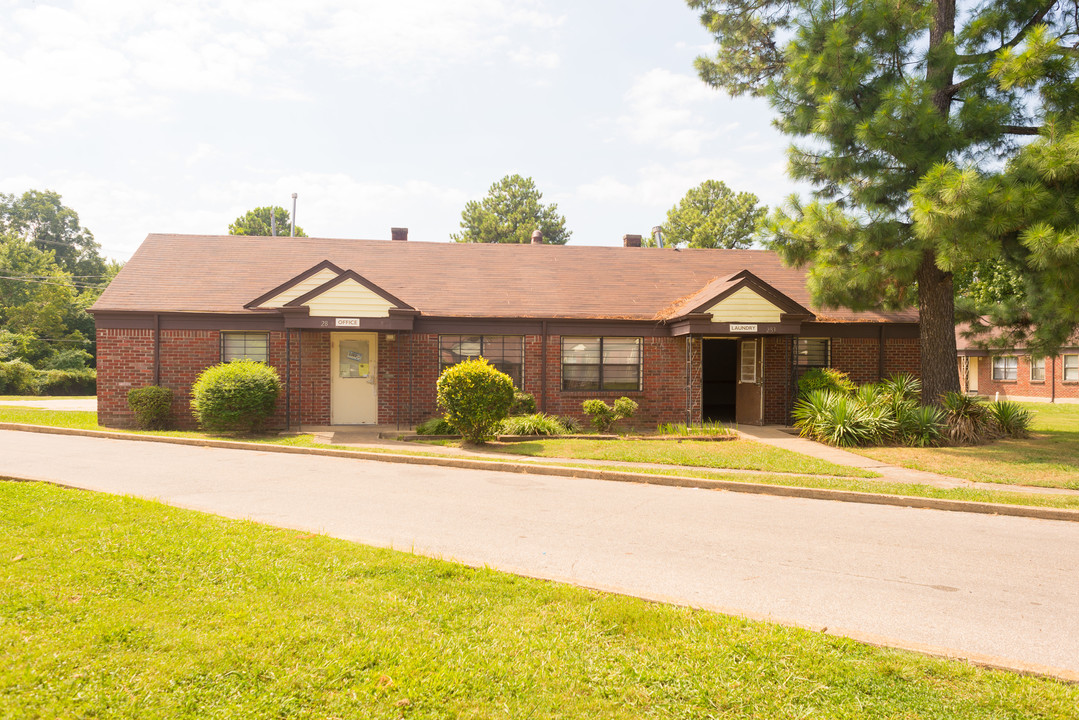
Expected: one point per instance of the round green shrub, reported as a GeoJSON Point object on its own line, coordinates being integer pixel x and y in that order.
{"type": "Point", "coordinates": [435, 426]}
{"type": "Point", "coordinates": [238, 395]}
{"type": "Point", "coordinates": [152, 406]}
{"type": "Point", "coordinates": [18, 378]}
{"type": "Point", "coordinates": [603, 416]}
{"type": "Point", "coordinates": [523, 403]}
{"type": "Point", "coordinates": [476, 398]}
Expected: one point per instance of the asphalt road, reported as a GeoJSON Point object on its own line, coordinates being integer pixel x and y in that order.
{"type": "Point", "coordinates": [1001, 590]}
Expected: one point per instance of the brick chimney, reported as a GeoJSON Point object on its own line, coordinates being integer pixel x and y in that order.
{"type": "Point", "coordinates": [631, 240]}
{"type": "Point", "coordinates": [399, 234]}
{"type": "Point", "coordinates": [537, 237]}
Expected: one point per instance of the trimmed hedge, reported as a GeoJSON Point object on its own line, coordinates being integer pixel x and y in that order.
{"type": "Point", "coordinates": [152, 406]}
{"type": "Point", "coordinates": [238, 395]}
{"type": "Point", "coordinates": [476, 398]}
{"type": "Point", "coordinates": [21, 378]}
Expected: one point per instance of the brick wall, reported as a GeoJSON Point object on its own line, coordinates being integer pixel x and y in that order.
{"type": "Point", "coordinates": [1023, 388]}
{"type": "Point", "coordinates": [408, 370]}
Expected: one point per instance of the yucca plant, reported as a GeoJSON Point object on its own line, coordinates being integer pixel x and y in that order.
{"type": "Point", "coordinates": [921, 426]}
{"type": "Point", "coordinates": [880, 423]}
{"type": "Point", "coordinates": [809, 412]}
{"type": "Point", "coordinates": [967, 418]}
{"type": "Point", "coordinates": [902, 386]}
{"type": "Point", "coordinates": [846, 423]}
{"type": "Point", "coordinates": [1010, 418]}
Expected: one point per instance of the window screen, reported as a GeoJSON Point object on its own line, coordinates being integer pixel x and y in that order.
{"type": "Point", "coordinates": [1037, 369]}
{"type": "Point", "coordinates": [600, 363]}
{"type": "Point", "coordinates": [505, 352]}
{"type": "Point", "coordinates": [245, 346]}
{"type": "Point", "coordinates": [1005, 368]}
{"type": "Point", "coordinates": [814, 352]}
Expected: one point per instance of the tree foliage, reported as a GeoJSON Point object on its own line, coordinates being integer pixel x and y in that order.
{"type": "Point", "coordinates": [712, 215]}
{"type": "Point", "coordinates": [510, 213]}
{"type": "Point", "coordinates": [39, 217]}
{"type": "Point", "coordinates": [258, 222]}
{"type": "Point", "coordinates": [1024, 223]}
{"type": "Point", "coordinates": [880, 92]}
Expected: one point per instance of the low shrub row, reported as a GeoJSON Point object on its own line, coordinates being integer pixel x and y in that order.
{"type": "Point", "coordinates": [21, 378]}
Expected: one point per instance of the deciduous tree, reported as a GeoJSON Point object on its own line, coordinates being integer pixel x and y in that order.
{"type": "Point", "coordinates": [258, 222]}
{"type": "Point", "coordinates": [39, 217]}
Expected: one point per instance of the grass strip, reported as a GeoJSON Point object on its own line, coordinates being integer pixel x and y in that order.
{"type": "Point", "coordinates": [122, 608]}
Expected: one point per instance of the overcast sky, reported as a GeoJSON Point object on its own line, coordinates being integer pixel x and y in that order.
{"type": "Point", "coordinates": [154, 116]}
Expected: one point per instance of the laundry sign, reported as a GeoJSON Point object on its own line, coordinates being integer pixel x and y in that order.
{"type": "Point", "coordinates": [743, 328]}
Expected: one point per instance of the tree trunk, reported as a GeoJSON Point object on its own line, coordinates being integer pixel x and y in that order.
{"type": "Point", "coordinates": [936, 308]}
{"type": "Point", "coordinates": [936, 297]}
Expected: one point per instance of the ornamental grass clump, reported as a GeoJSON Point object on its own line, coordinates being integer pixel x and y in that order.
{"type": "Point", "coordinates": [152, 406]}
{"type": "Point", "coordinates": [533, 424]}
{"type": "Point", "coordinates": [1010, 418]}
{"type": "Point", "coordinates": [238, 395]}
{"type": "Point", "coordinates": [476, 398]}
{"type": "Point", "coordinates": [968, 419]}
{"type": "Point", "coordinates": [435, 426]}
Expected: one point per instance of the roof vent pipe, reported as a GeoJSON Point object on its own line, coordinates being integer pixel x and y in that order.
{"type": "Point", "coordinates": [657, 235]}
{"type": "Point", "coordinates": [537, 237]}
{"type": "Point", "coordinates": [400, 234]}
{"type": "Point", "coordinates": [631, 240]}
{"type": "Point", "coordinates": [292, 230]}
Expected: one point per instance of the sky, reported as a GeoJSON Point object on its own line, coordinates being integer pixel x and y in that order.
{"type": "Point", "coordinates": [178, 116]}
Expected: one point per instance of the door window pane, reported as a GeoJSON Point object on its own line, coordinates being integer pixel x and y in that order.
{"type": "Point", "coordinates": [354, 360]}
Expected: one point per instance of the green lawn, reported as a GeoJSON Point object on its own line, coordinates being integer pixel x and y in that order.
{"type": "Point", "coordinates": [114, 607]}
{"type": "Point", "coordinates": [1049, 458]}
{"type": "Point", "coordinates": [730, 454]}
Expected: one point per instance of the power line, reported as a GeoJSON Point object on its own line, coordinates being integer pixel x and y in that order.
{"type": "Point", "coordinates": [83, 286]}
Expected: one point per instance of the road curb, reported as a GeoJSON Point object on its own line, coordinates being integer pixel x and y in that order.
{"type": "Point", "coordinates": [850, 496]}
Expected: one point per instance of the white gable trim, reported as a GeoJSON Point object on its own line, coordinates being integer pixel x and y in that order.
{"type": "Point", "coordinates": [301, 288]}
{"type": "Point", "coordinates": [744, 305]}
{"type": "Point", "coordinates": [349, 299]}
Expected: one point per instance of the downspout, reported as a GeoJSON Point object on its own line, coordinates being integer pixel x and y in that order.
{"type": "Point", "coordinates": [689, 381]}
{"type": "Point", "coordinates": [288, 379]}
{"type": "Point", "coordinates": [543, 367]}
{"type": "Point", "coordinates": [880, 353]}
{"type": "Point", "coordinates": [299, 390]}
{"type": "Point", "coordinates": [411, 368]}
{"type": "Point", "coordinates": [157, 348]}
{"type": "Point", "coordinates": [397, 383]}
{"type": "Point", "coordinates": [1053, 385]}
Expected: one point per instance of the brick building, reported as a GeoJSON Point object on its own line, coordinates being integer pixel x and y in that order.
{"type": "Point", "coordinates": [1015, 374]}
{"type": "Point", "coordinates": [359, 330]}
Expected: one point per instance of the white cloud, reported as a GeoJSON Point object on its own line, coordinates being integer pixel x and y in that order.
{"type": "Point", "coordinates": [123, 55]}
{"type": "Point", "coordinates": [669, 110]}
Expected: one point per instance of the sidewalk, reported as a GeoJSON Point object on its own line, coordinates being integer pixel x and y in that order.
{"type": "Point", "coordinates": [368, 437]}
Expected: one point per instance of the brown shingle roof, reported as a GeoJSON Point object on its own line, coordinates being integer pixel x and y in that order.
{"type": "Point", "coordinates": [220, 274]}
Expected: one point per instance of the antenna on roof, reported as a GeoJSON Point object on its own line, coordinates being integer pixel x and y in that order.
{"type": "Point", "coordinates": [657, 235]}
{"type": "Point", "coordinates": [292, 230]}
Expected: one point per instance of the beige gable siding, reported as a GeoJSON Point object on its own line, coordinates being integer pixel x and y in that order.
{"type": "Point", "coordinates": [320, 278]}
{"type": "Point", "coordinates": [349, 299]}
{"type": "Point", "coordinates": [744, 305]}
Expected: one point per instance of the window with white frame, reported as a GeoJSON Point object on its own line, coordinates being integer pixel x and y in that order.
{"type": "Point", "coordinates": [1071, 368]}
{"type": "Point", "coordinates": [505, 352]}
{"type": "Point", "coordinates": [814, 352]}
{"type": "Point", "coordinates": [245, 346]}
{"type": "Point", "coordinates": [1005, 367]}
{"type": "Point", "coordinates": [601, 363]}
{"type": "Point", "coordinates": [748, 365]}
{"type": "Point", "coordinates": [1037, 369]}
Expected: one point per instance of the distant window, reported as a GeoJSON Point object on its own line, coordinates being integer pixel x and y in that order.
{"type": "Point", "coordinates": [245, 346]}
{"type": "Point", "coordinates": [1037, 369]}
{"type": "Point", "coordinates": [601, 363]}
{"type": "Point", "coordinates": [1071, 368]}
{"type": "Point", "coordinates": [814, 352]}
{"type": "Point", "coordinates": [1005, 368]}
{"type": "Point", "coordinates": [504, 352]}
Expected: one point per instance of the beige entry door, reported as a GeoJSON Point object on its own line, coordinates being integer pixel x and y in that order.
{"type": "Point", "coordinates": [748, 405]}
{"type": "Point", "coordinates": [353, 378]}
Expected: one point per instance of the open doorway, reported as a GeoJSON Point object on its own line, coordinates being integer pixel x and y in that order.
{"type": "Point", "coordinates": [719, 379]}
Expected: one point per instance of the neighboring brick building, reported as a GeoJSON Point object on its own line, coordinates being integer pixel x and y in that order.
{"type": "Point", "coordinates": [1014, 374]}
{"type": "Point", "coordinates": [359, 330]}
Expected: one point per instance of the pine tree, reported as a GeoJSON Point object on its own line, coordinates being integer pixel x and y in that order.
{"type": "Point", "coordinates": [880, 92]}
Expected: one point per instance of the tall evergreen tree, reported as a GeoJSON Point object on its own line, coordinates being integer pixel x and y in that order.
{"type": "Point", "coordinates": [712, 215]}
{"type": "Point", "coordinates": [880, 92]}
{"type": "Point", "coordinates": [510, 213]}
